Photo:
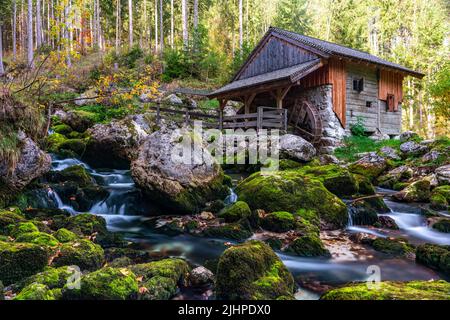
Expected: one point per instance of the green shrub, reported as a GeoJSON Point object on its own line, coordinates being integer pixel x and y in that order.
{"type": "Point", "coordinates": [358, 129]}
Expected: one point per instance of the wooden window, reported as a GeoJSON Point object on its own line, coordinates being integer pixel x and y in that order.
{"type": "Point", "coordinates": [368, 104]}
{"type": "Point", "coordinates": [391, 103]}
{"type": "Point", "coordinates": [358, 84]}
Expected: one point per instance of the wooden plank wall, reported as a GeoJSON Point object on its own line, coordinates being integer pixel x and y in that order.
{"type": "Point", "coordinates": [391, 83]}
{"type": "Point", "coordinates": [274, 55]}
{"type": "Point", "coordinates": [333, 73]}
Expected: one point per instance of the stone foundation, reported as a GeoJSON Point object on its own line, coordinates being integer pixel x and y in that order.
{"type": "Point", "coordinates": [321, 98]}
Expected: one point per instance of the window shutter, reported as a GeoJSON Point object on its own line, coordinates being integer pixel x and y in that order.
{"type": "Point", "coordinates": [390, 102]}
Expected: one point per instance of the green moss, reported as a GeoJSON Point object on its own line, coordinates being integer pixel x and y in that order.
{"type": "Point", "coordinates": [235, 212]}
{"type": "Point", "coordinates": [233, 231]}
{"type": "Point", "coordinates": [387, 290]}
{"type": "Point", "coordinates": [287, 164]}
{"type": "Point", "coordinates": [440, 198]}
{"type": "Point", "coordinates": [51, 277]}
{"type": "Point", "coordinates": [290, 191]}
{"type": "Point", "coordinates": [105, 284]}
{"type": "Point", "coordinates": [365, 187]}
{"type": "Point", "coordinates": [274, 243]}
{"type": "Point", "coordinates": [21, 228]}
{"type": "Point", "coordinates": [36, 291]}
{"type": "Point", "coordinates": [434, 256]}
{"type": "Point", "coordinates": [309, 215]}
{"type": "Point", "coordinates": [418, 191]}
{"type": "Point", "coordinates": [86, 224]}
{"type": "Point", "coordinates": [77, 174]}
{"type": "Point", "coordinates": [40, 238]}
{"type": "Point", "coordinates": [82, 253]}
{"type": "Point", "coordinates": [365, 211]}
{"type": "Point", "coordinates": [442, 225]}
{"type": "Point", "coordinates": [161, 278]}
{"type": "Point", "coordinates": [8, 218]}
{"type": "Point", "coordinates": [59, 144]}
{"type": "Point", "coordinates": [308, 245]}
{"type": "Point", "coordinates": [336, 179]}
{"type": "Point", "coordinates": [395, 247]}
{"type": "Point", "coordinates": [63, 129]}
{"type": "Point", "coordinates": [20, 260]}
{"type": "Point", "coordinates": [63, 235]}
{"type": "Point", "coordinates": [279, 221]}
{"type": "Point", "coordinates": [252, 271]}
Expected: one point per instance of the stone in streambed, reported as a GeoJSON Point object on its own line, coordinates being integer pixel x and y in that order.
{"type": "Point", "coordinates": [182, 187]}
{"type": "Point", "coordinates": [279, 221]}
{"type": "Point", "coordinates": [365, 211]}
{"type": "Point", "coordinates": [200, 277]}
{"type": "Point", "coordinates": [20, 260]}
{"type": "Point", "coordinates": [370, 166]}
{"type": "Point", "coordinates": [252, 271]}
{"type": "Point", "coordinates": [38, 291]}
{"type": "Point", "coordinates": [442, 225]}
{"type": "Point", "coordinates": [296, 148]}
{"type": "Point", "coordinates": [434, 256]}
{"type": "Point", "coordinates": [388, 290]}
{"type": "Point", "coordinates": [82, 253]}
{"type": "Point", "coordinates": [309, 245]}
{"type": "Point", "coordinates": [440, 198]}
{"type": "Point", "coordinates": [394, 247]}
{"type": "Point", "coordinates": [235, 212]}
{"type": "Point", "coordinates": [443, 175]}
{"type": "Point", "coordinates": [418, 191]}
{"type": "Point", "coordinates": [105, 284]}
{"type": "Point", "coordinates": [290, 191]}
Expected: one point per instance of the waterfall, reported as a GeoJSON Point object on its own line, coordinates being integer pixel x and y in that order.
{"type": "Point", "coordinates": [59, 204]}
{"type": "Point", "coordinates": [231, 198]}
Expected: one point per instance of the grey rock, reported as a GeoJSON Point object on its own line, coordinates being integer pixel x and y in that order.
{"type": "Point", "coordinates": [200, 277]}
{"type": "Point", "coordinates": [390, 153]}
{"type": "Point", "coordinates": [443, 175]}
{"type": "Point", "coordinates": [431, 156]}
{"type": "Point", "coordinates": [296, 148]}
{"type": "Point", "coordinates": [173, 99]}
{"type": "Point", "coordinates": [412, 148]}
{"type": "Point", "coordinates": [407, 136]}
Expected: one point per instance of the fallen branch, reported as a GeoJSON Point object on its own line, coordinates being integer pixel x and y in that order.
{"type": "Point", "coordinates": [368, 197]}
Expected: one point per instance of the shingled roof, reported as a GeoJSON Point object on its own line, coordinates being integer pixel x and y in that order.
{"type": "Point", "coordinates": [292, 74]}
{"type": "Point", "coordinates": [340, 50]}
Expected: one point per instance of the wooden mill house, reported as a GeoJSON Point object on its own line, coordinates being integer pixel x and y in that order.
{"type": "Point", "coordinates": [317, 88]}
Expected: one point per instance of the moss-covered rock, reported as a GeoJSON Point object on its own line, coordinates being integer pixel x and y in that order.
{"type": "Point", "coordinates": [279, 221]}
{"type": "Point", "coordinates": [397, 175]}
{"type": "Point", "coordinates": [434, 256]}
{"type": "Point", "coordinates": [232, 231]}
{"type": "Point", "coordinates": [86, 224]}
{"type": "Point", "coordinates": [442, 225]}
{"type": "Point", "coordinates": [82, 253]}
{"type": "Point", "coordinates": [290, 191]}
{"type": "Point", "coordinates": [8, 218]}
{"type": "Point", "coordinates": [59, 144]}
{"type": "Point", "coordinates": [21, 228]}
{"type": "Point", "coordinates": [20, 260]}
{"type": "Point", "coordinates": [370, 166]}
{"type": "Point", "coordinates": [161, 278]}
{"type": "Point", "coordinates": [308, 245]}
{"type": "Point", "coordinates": [387, 290]}
{"type": "Point", "coordinates": [394, 247]}
{"type": "Point", "coordinates": [365, 187]}
{"type": "Point", "coordinates": [51, 277]}
{"type": "Point", "coordinates": [63, 129]}
{"type": "Point", "coordinates": [440, 198]}
{"type": "Point", "coordinates": [365, 211]}
{"type": "Point", "coordinates": [77, 174]}
{"type": "Point", "coordinates": [63, 235]}
{"type": "Point", "coordinates": [36, 291]}
{"type": "Point", "coordinates": [40, 238]}
{"type": "Point", "coordinates": [336, 179]}
{"type": "Point", "coordinates": [235, 212]}
{"type": "Point", "coordinates": [418, 191]}
{"type": "Point", "coordinates": [105, 284]}
{"type": "Point", "coordinates": [252, 271]}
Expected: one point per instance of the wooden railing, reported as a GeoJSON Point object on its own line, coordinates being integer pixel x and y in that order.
{"type": "Point", "coordinates": [264, 118]}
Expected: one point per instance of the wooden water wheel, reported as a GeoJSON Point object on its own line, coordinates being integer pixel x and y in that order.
{"type": "Point", "coordinates": [305, 121]}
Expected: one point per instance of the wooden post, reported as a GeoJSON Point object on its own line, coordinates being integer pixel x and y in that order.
{"type": "Point", "coordinates": [259, 119]}
{"type": "Point", "coordinates": [248, 100]}
{"type": "Point", "coordinates": [186, 116]}
{"type": "Point", "coordinates": [280, 94]}
{"type": "Point", "coordinates": [285, 120]}
{"type": "Point", "coordinates": [220, 119]}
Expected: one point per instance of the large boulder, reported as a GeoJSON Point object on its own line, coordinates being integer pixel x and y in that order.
{"type": "Point", "coordinates": [443, 174]}
{"type": "Point", "coordinates": [440, 198]}
{"type": "Point", "coordinates": [82, 253]}
{"type": "Point", "coordinates": [183, 186]}
{"type": "Point", "coordinates": [371, 165]}
{"type": "Point", "coordinates": [290, 191]}
{"type": "Point", "coordinates": [115, 144]}
{"type": "Point", "coordinates": [31, 163]}
{"type": "Point", "coordinates": [296, 148]}
{"type": "Point", "coordinates": [387, 290]}
{"type": "Point", "coordinates": [252, 271]}
{"type": "Point", "coordinates": [390, 153]}
{"type": "Point", "coordinates": [399, 174]}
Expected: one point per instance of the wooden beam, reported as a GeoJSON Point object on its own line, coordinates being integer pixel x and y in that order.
{"type": "Point", "coordinates": [279, 95]}
{"type": "Point", "coordinates": [248, 100]}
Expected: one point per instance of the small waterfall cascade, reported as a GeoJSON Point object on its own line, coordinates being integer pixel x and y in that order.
{"type": "Point", "coordinates": [231, 198]}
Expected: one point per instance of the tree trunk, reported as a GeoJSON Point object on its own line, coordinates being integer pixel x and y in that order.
{"type": "Point", "coordinates": [38, 24]}
{"type": "Point", "coordinates": [172, 24]}
{"type": "Point", "coordinates": [2, 69]}
{"type": "Point", "coordinates": [14, 30]}
{"type": "Point", "coordinates": [117, 26]}
{"type": "Point", "coordinates": [161, 27]}
{"type": "Point", "coordinates": [184, 17]}
{"type": "Point", "coordinates": [195, 15]}
{"type": "Point", "coordinates": [156, 26]}
{"type": "Point", "coordinates": [130, 22]}
{"type": "Point", "coordinates": [241, 27]}
{"type": "Point", "coordinates": [66, 35]}
{"type": "Point", "coordinates": [30, 57]}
